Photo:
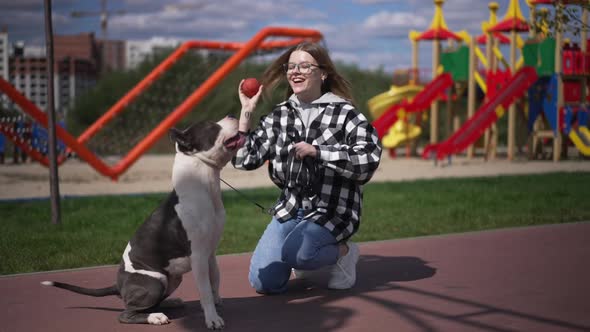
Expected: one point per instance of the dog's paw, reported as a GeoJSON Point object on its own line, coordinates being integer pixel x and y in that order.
{"type": "Point", "coordinates": [158, 318]}
{"type": "Point", "coordinates": [214, 322]}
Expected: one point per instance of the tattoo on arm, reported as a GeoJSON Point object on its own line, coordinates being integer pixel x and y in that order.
{"type": "Point", "coordinates": [248, 115]}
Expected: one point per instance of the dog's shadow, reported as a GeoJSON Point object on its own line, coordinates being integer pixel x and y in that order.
{"type": "Point", "coordinates": [308, 305]}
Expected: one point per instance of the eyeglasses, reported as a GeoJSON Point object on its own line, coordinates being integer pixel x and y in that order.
{"type": "Point", "coordinates": [303, 67]}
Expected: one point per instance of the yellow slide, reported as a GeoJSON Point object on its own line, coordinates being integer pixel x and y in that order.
{"type": "Point", "coordinates": [400, 132]}
{"type": "Point", "coordinates": [585, 132]}
{"type": "Point", "coordinates": [581, 139]}
{"type": "Point", "coordinates": [381, 102]}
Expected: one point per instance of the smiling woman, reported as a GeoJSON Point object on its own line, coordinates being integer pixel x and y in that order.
{"type": "Point", "coordinates": [321, 151]}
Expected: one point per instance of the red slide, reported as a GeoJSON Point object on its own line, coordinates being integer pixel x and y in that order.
{"type": "Point", "coordinates": [484, 117]}
{"type": "Point", "coordinates": [419, 103]}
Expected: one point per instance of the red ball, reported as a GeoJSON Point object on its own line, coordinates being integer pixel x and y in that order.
{"type": "Point", "coordinates": [250, 87]}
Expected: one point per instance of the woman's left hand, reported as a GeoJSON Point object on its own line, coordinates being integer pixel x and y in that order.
{"type": "Point", "coordinates": [303, 149]}
{"type": "Point", "coordinates": [248, 107]}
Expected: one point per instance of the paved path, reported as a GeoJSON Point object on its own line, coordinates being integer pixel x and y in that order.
{"type": "Point", "coordinates": [523, 279]}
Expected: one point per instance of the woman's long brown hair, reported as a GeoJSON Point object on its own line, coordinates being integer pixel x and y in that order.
{"type": "Point", "coordinates": [334, 82]}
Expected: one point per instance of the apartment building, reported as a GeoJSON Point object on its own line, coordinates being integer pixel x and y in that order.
{"type": "Point", "coordinates": [76, 67]}
{"type": "Point", "coordinates": [4, 54]}
{"type": "Point", "coordinates": [137, 51]}
{"type": "Point", "coordinates": [4, 48]}
{"type": "Point", "coordinates": [79, 60]}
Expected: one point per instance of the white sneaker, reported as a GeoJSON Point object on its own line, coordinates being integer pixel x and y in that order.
{"type": "Point", "coordinates": [344, 271]}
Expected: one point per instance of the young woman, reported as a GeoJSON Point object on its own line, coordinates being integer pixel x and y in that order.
{"type": "Point", "coordinates": [320, 151]}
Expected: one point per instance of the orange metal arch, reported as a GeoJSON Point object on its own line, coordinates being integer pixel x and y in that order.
{"type": "Point", "coordinates": [243, 50]}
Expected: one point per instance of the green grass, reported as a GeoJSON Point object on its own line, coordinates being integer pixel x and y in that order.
{"type": "Point", "coordinates": [95, 230]}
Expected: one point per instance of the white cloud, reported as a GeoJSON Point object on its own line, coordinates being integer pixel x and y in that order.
{"type": "Point", "coordinates": [175, 24]}
{"type": "Point", "coordinates": [387, 23]}
{"type": "Point", "coordinates": [234, 20]}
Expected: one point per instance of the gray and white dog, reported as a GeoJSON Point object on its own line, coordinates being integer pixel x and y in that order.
{"type": "Point", "coordinates": [181, 234]}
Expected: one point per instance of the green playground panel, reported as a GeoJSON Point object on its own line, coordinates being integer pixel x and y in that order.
{"type": "Point", "coordinates": [540, 55]}
{"type": "Point", "coordinates": [456, 63]}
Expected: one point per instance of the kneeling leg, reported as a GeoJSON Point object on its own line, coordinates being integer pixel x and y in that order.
{"type": "Point", "coordinates": [140, 294]}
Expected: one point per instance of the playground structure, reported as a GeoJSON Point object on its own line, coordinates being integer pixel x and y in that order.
{"type": "Point", "coordinates": [283, 37]}
{"type": "Point", "coordinates": [394, 125]}
{"type": "Point", "coordinates": [535, 82]}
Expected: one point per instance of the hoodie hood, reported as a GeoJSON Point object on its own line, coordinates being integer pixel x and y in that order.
{"type": "Point", "coordinates": [326, 98]}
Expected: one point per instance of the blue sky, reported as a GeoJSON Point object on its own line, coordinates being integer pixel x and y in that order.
{"type": "Point", "coordinates": [369, 33]}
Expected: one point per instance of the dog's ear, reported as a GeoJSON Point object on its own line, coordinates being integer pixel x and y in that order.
{"type": "Point", "coordinates": [198, 137]}
{"type": "Point", "coordinates": [180, 138]}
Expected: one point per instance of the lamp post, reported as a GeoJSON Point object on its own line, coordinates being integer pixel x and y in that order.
{"type": "Point", "coordinates": [53, 172]}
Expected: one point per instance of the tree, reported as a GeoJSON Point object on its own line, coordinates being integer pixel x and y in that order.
{"type": "Point", "coordinates": [567, 16]}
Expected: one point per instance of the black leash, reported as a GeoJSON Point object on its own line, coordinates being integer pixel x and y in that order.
{"type": "Point", "coordinates": [306, 175]}
{"type": "Point", "coordinates": [264, 210]}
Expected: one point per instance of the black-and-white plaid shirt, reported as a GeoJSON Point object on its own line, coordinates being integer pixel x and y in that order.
{"type": "Point", "coordinates": [349, 152]}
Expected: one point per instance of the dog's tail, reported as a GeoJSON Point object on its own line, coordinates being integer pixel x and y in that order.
{"type": "Point", "coordinates": [96, 292]}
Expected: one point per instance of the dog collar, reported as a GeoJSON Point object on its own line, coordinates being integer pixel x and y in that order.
{"type": "Point", "coordinates": [208, 161]}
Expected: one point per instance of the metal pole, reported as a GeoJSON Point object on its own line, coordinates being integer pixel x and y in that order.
{"type": "Point", "coordinates": [53, 174]}
{"type": "Point", "coordinates": [434, 105]}
{"type": "Point", "coordinates": [471, 89]}
{"type": "Point", "coordinates": [512, 108]}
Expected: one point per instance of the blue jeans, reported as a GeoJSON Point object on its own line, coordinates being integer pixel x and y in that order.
{"type": "Point", "coordinates": [296, 243]}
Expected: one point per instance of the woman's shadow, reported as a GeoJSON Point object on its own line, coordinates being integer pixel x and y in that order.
{"type": "Point", "coordinates": [308, 305]}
